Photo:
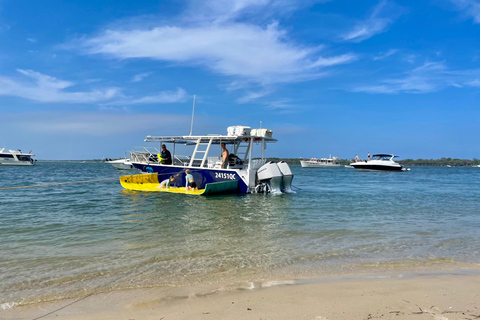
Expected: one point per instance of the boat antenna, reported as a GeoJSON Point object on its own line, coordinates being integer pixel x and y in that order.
{"type": "Point", "coordinates": [193, 111]}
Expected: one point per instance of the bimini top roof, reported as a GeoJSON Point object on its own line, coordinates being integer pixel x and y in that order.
{"type": "Point", "coordinates": [216, 139]}
{"type": "Point", "coordinates": [384, 155]}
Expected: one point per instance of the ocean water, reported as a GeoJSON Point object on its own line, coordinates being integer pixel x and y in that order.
{"type": "Point", "coordinates": [72, 240]}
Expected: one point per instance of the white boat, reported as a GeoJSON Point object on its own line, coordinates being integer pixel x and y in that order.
{"type": "Point", "coordinates": [320, 163]}
{"type": "Point", "coordinates": [250, 170]}
{"type": "Point", "coordinates": [379, 162]}
{"type": "Point", "coordinates": [16, 158]}
{"type": "Point", "coordinates": [121, 164]}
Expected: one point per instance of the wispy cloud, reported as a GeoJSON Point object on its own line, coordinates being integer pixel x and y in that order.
{"type": "Point", "coordinates": [250, 96]}
{"type": "Point", "coordinates": [221, 11]}
{"type": "Point", "coordinates": [43, 88]}
{"type": "Point", "coordinates": [31, 40]}
{"type": "Point", "coordinates": [470, 7]}
{"type": "Point", "coordinates": [430, 77]}
{"type": "Point", "coordinates": [139, 77]}
{"type": "Point", "coordinates": [180, 95]}
{"type": "Point", "coordinates": [474, 83]}
{"type": "Point", "coordinates": [378, 22]}
{"type": "Point", "coordinates": [384, 55]}
{"type": "Point", "coordinates": [281, 105]}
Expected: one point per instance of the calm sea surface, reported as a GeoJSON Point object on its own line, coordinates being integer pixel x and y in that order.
{"type": "Point", "coordinates": [76, 239]}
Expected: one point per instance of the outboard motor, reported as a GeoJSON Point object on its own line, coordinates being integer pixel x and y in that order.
{"type": "Point", "coordinates": [270, 178]}
{"type": "Point", "coordinates": [287, 177]}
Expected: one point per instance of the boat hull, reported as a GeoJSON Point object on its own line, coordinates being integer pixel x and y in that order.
{"type": "Point", "coordinates": [202, 176]}
{"type": "Point", "coordinates": [149, 182]}
{"type": "Point", "coordinates": [310, 164]}
{"type": "Point", "coordinates": [376, 167]}
{"type": "Point", "coordinates": [121, 164]}
{"type": "Point", "coordinates": [16, 163]}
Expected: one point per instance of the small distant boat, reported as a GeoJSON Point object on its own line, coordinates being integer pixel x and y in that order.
{"type": "Point", "coordinates": [379, 162]}
{"type": "Point", "coordinates": [121, 164]}
{"type": "Point", "coordinates": [320, 163]}
{"type": "Point", "coordinates": [16, 158]}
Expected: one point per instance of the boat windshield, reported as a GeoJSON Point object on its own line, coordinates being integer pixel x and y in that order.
{"type": "Point", "coordinates": [23, 158]}
{"type": "Point", "coordinates": [382, 157]}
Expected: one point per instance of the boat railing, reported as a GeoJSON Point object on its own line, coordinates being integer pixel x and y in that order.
{"type": "Point", "coordinates": [144, 155]}
{"type": "Point", "coordinates": [180, 160]}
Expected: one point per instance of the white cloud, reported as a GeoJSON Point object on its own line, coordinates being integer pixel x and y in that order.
{"type": "Point", "coordinates": [430, 77]}
{"type": "Point", "coordinates": [31, 40]}
{"type": "Point", "coordinates": [162, 97]}
{"type": "Point", "coordinates": [331, 61]}
{"type": "Point", "coordinates": [43, 88]}
{"type": "Point", "coordinates": [471, 7]}
{"type": "Point", "coordinates": [263, 55]}
{"type": "Point", "coordinates": [139, 77]}
{"type": "Point", "coordinates": [375, 24]}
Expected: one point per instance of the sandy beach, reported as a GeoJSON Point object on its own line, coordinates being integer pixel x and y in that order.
{"type": "Point", "coordinates": [405, 296]}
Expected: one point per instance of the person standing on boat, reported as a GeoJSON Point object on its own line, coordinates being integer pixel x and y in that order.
{"type": "Point", "coordinates": [224, 156]}
{"type": "Point", "coordinates": [368, 157]}
{"type": "Point", "coordinates": [166, 156]}
{"type": "Point", "coordinates": [356, 158]}
{"type": "Point", "coordinates": [190, 182]}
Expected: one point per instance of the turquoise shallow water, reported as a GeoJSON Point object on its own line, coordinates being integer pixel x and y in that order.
{"type": "Point", "coordinates": [76, 239]}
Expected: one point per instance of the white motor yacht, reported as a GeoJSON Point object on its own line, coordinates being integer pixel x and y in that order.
{"type": "Point", "coordinates": [16, 158]}
{"type": "Point", "coordinates": [382, 162]}
{"type": "Point", "coordinates": [320, 163]}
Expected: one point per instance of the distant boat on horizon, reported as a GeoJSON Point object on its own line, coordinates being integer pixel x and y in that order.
{"type": "Point", "coordinates": [16, 158]}
{"type": "Point", "coordinates": [320, 163]}
{"type": "Point", "coordinates": [121, 164]}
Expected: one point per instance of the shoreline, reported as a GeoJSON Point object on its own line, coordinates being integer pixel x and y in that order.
{"type": "Point", "coordinates": [441, 294]}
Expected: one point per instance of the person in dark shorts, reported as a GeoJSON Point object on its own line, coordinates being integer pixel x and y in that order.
{"type": "Point", "coordinates": [190, 182]}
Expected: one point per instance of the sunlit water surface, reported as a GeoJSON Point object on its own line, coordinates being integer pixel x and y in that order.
{"type": "Point", "coordinates": [70, 240]}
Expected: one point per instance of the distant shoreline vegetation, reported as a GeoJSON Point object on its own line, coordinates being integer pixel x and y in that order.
{"type": "Point", "coordinates": [442, 162]}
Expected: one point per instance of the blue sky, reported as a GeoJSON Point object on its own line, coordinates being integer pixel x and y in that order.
{"type": "Point", "coordinates": [90, 79]}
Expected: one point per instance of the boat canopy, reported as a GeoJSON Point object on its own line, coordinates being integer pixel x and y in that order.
{"type": "Point", "coordinates": [216, 139]}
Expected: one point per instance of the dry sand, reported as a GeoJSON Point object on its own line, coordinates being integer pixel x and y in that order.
{"type": "Point", "coordinates": [438, 297]}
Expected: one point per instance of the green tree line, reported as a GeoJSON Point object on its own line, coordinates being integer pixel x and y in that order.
{"type": "Point", "coordinates": [407, 162]}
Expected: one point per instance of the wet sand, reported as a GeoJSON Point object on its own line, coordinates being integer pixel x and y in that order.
{"type": "Point", "coordinates": [422, 296]}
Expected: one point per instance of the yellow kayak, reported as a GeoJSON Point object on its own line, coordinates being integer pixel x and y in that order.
{"type": "Point", "coordinates": [149, 182]}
